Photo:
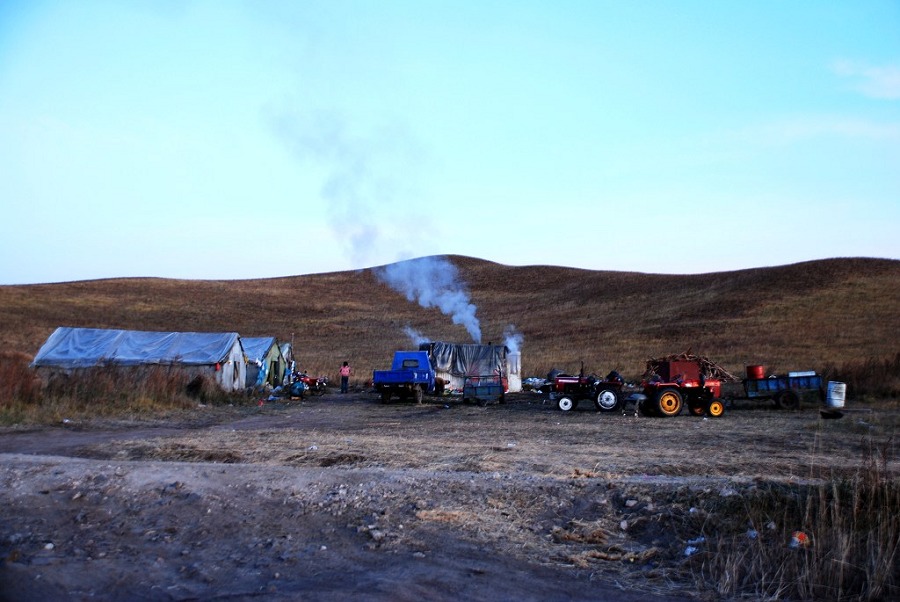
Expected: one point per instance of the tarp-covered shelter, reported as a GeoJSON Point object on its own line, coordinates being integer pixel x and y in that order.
{"type": "Point", "coordinates": [265, 363]}
{"type": "Point", "coordinates": [219, 354]}
{"type": "Point", "coordinates": [454, 362]}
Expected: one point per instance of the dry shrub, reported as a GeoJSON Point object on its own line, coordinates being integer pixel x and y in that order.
{"type": "Point", "coordinates": [853, 545]}
{"type": "Point", "coordinates": [18, 381]}
{"type": "Point", "coordinates": [107, 389]}
{"type": "Point", "coordinates": [873, 378]}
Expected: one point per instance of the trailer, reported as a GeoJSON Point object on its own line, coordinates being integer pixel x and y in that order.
{"type": "Point", "coordinates": [484, 389]}
{"type": "Point", "coordinates": [786, 391]}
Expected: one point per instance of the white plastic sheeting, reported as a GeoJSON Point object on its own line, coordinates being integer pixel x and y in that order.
{"type": "Point", "coordinates": [70, 348]}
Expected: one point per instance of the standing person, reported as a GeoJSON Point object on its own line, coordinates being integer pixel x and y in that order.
{"type": "Point", "coordinates": [345, 377]}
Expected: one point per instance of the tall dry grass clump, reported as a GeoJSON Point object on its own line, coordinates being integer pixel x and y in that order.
{"type": "Point", "coordinates": [874, 378]}
{"type": "Point", "coordinates": [18, 382]}
{"type": "Point", "coordinates": [833, 539]}
{"type": "Point", "coordinates": [103, 390]}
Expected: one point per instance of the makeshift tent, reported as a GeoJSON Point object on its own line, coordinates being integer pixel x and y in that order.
{"type": "Point", "coordinates": [454, 362]}
{"type": "Point", "coordinates": [265, 363]}
{"type": "Point", "coordinates": [218, 354]}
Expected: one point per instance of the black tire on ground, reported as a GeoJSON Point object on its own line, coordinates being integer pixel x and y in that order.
{"type": "Point", "coordinates": [696, 408]}
{"type": "Point", "coordinates": [787, 400]}
{"type": "Point", "coordinates": [669, 402]}
{"type": "Point", "coordinates": [565, 403]}
{"type": "Point", "coordinates": [385, 396]}
{"type": "Point", "coordinates": [607, 400]}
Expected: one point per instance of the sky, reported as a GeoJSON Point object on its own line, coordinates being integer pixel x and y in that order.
{"type": "Point", "coordinates": [229, 139]}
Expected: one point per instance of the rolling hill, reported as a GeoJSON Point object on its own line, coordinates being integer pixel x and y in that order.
{"type": "Point", "coordinates": [800, 316]}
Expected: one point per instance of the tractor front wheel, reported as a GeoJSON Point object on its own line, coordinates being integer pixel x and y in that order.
{"type": "Point", "coordinates": [565, 404]}
{"type": "Point", "coordinates": [715, 408]}
{"type": "Point", "coordinates": [669, 402]}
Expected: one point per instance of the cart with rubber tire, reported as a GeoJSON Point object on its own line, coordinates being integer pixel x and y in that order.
{"type": "Point", "coordinates": [483, 390]}
{"type": "Point", "coordinates": [786, 391]}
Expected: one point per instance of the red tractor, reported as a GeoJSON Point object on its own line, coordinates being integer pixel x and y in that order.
{"type": "Point", "coordinates": [672, 382]}
{"type": "Point", "coordinates": [566, 390]}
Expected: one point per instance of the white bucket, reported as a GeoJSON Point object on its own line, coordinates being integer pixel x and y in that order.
{"type": "Point", "coordinates": [835, 395]}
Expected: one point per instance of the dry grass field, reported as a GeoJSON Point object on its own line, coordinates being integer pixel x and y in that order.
{"type": "Point", "coordinates": [803, 316]}
{"type": "Point", "coordinates": [342, 497]}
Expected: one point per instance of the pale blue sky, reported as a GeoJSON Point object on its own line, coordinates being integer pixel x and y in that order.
{"type": "Point", "coordinates": [228, 139]}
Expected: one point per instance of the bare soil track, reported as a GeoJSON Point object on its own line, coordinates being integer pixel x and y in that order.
{"type": "Point", "coordinates": [342, 496]}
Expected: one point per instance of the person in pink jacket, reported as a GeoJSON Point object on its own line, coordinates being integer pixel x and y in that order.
{"type": "Point", "coordinates": [345, 377]}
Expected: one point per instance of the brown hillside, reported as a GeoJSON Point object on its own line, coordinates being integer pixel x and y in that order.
{"type": "Point", "coordinates": [797, 316]}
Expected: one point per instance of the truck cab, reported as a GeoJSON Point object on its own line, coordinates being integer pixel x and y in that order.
{"type": "Point", "coordinates": [411, 374]}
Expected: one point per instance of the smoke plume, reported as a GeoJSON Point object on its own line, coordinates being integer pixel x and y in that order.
{"type": "Point", "coordinates": [364, 175]}
{"type": "Point", "coordinates": [513, 339]}
{"type": "Point", "coordinates": [415, 336]}
{"type": "Point", "coordinates": [434, 282]}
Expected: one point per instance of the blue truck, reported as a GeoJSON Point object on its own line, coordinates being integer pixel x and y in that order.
{"type": "Point", "coordinates": [411, 375]}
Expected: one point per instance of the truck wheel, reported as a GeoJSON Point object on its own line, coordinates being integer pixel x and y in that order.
{"type": "Point", "coordinates": [715, 408]}
{"type": "Point", "coordinates": [607, 400]}
{"type": "Point", "coordinates": [385, 396]}
{"type": "Point", "coordinates": [565, 404]}
{"type": "Point", "coordinates": [787, 400]}
{"type": "Point", "coordinates": [669, 402]}
{"type": "Point", "coordinates": [419, 393]}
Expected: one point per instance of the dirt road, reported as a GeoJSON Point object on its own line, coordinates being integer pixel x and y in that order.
{"type": "Point", "coordinates": [342, 496]}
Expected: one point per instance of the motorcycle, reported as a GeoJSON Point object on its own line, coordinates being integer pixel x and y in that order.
{"type": "Point", "coordinates": [314, 386]}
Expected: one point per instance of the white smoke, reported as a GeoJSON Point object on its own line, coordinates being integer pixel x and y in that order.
{"type": "Point", "coordinates": [434, 282]}
{"type": "Point", "coordinates": [362, 175]}
{"type": "Point", "coordinates": [415, 336]}
{"type": "Point", "coordinates": [513, 339]}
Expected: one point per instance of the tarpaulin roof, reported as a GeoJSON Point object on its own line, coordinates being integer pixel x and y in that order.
{"type": "Point", "coordinates": [256, 348]}
{"type": "Point", "coordinates": [84, 347]}
{"type": "Point", "coordinates": [466, 359]}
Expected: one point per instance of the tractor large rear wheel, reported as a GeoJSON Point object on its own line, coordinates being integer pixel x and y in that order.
{"type": "Point", "coordinates": [669, 402]}
{"type": "Point", "coordinates": [607, 400]}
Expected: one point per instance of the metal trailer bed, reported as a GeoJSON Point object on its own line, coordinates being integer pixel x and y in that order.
{"type": "Point", "coordinates": [484, 389]}
{"type": "Point", "coordinates": [787, 391]}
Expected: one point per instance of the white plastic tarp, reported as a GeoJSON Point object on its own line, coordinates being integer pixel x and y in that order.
{"type": "Point", "coordinates": [85, 347]}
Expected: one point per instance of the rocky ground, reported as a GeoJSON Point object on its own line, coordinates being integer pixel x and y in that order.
{"type": "Point", "coordinates": [342, 496]}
